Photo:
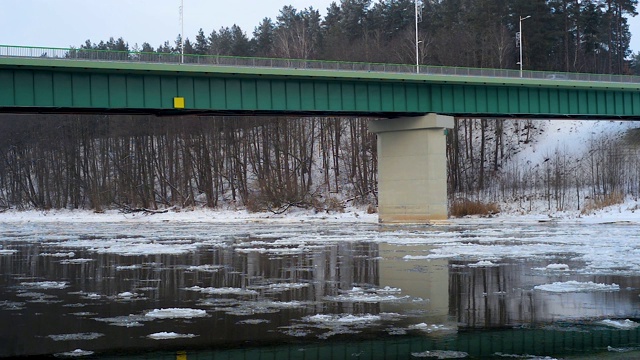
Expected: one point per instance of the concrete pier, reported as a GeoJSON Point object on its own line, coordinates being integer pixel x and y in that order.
{"type": "Point", "coordinates": [412, 168]}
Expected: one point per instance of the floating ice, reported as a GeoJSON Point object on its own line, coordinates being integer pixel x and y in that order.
{"type": "Point", "coordinates": [371, 295]}
{"type": "Point", "coordinates": [558, 267]}
{"type": "Point", "coordinates": [76, 261]}
{"type": "Point", "coordinates": [281, 286]}
{"type": "Point", "coordinates": [7, 252]}
{"type": "Point", "coordinates": [11, 305]}
{"type": "Point", "coordinates": [222, 291]}
{"type": "Point", "coordinates": [342, 319]}
{"type": "Point", "coordinates": [253, 322]}
{"type": "Point", "coordinates": [575, 286]}
{"type": "Point", "coordinates": [622, 349]}
{"type": "Point", "coordinates": [77, 336]}
{"type": "Point", "coordinates": [45, 284]}
{"type": "Point", "coordinates": [483, 263]}
{"type": "Point", "coordinates": [128, 267]}
{"type": "Point", "coordinates": [620, 324]}
{"type": "Point", "coordinates": [91, 296]}
{"type": "Point", "coordinates": [429, 328]}
{"type": "Point", "coordinates": [176, 313]}
{"type": "Point", "coordinates": [441, 354]}
{"type": "Point", "coordinates": [422, 257]}
{"type": "Point", "coordinates": [125, 321]}
{"type": "Point", "coordinates": [205, 268]}
{"type": "Point", "coordinates": [59, 254]}
{"type": "Point", "coordinates": [276, 251]}
{"type": "Point", "coordinates": [169, 335]}
{"type": "Point", "coordinates": [75, 353]}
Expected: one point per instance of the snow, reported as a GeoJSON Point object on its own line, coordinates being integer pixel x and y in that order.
{"type": "Point", "coordinates": [199, 215]}
{"type": "Point", "coordinates": [576, 286]}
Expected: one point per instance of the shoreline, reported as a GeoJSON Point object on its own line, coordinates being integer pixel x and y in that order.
{"type": "Point", "coordinates": [622, 214]}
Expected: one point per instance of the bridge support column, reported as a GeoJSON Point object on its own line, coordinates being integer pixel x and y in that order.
{"type": "Point", "coordinates": [412, 168]}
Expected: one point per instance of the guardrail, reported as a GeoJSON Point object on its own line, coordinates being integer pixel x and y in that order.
{"type": "Point", "coordinates": [220, 60]}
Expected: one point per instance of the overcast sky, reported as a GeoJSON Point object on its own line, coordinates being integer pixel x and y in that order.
{"type": "Point", "coordinates": [64, 23]}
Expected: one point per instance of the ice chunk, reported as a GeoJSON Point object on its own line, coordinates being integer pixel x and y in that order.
{"type": "Point", "coordinates": [176, 313]}
{"type": "Point", "coordinates": [576, 286]}
{"type": "Point", "coordinates": [45, 284]}
{"type": "Point", "coordinates": [620, 324]}
{"type": "Point", "coordinates": [77, 336]}
{"type": "Point", "coordinates": [169, 335]}
{"type": "Point", "coordinates": [441, 354]}
{"type": "Point", "coordinates": [75, 353]}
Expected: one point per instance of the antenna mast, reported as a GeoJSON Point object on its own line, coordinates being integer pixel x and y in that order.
{"type": "Point", "coordinates": [181, 31]}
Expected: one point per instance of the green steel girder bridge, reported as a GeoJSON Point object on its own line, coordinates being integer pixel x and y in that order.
{"type": "Point", "coordinates": [42, 80]}
{"type": "Point", "coordinates": [415, 104]}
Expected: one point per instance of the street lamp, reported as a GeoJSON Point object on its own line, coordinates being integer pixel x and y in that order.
{"type": "Point", "coordinates": [418, 19]}
{"type": "Point", "coordinates": [519, 40]}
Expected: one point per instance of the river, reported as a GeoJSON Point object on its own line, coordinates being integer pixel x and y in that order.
{"type": "Point", "coordinates": [320, 290]}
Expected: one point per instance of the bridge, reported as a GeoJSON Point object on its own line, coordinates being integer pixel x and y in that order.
{"type": "Point", "coordinates": [415, 106]}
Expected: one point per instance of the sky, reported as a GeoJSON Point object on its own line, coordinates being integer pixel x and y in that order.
{"type": "Point", "coordinates": [64, 23]}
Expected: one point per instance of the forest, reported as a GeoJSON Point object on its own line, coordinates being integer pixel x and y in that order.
{"type": "Point", "coordinates": [273, 163]}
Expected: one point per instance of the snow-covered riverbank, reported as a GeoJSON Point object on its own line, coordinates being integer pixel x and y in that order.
{"type": "Point", "coordinates": [628, 212]}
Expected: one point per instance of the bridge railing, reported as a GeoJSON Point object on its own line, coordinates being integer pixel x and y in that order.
{"type": "Point", "coordinates": [220, 60]}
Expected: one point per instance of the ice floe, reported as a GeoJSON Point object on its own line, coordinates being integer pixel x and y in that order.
{"type": "Point", "coordinates": [576, 286]}
{"type": "Point", "coordinates": [45, 284]}
{"type": "Point", "coordinates": [76, 261]}
{"type": "Point", "coordinates": [60, 254]}
{"type": "Point", "coordinates": [440, 354]}
{"type": "Point", "coordinates": [169, 335]}
{"type": "Point", "coordinates": [430, 328]}
{"type": "Point", "coordinates": [176, 313]}
{"type": "Point", "coordinates": [483, 263]}
{"type": "Point", "coordinates": [358, 294]}
{"type": "Point", "coordinates": [76, 336]}
{"type": "Point", "coordinates": [75, 353]}
{"type": "Point", "coordinates": [620, 324]}
{"type": "Point", "coordinates": [222, 290]}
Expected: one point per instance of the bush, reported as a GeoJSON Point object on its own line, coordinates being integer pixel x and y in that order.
{"type": "Point", "coordinates": [465, 207]}
{"type": "Point", "coordinates": [601, 202]}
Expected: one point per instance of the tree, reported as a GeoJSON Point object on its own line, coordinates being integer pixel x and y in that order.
{"type": "Point", "coordinates": [263, 38]}
{"type": "Point", "coordinates": [201, 47]}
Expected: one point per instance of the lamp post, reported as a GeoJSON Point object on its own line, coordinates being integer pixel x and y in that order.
{"type": "Point", "coordinates": [519, 38]}
{"type": "Point", "coordinates": [418, 19]}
